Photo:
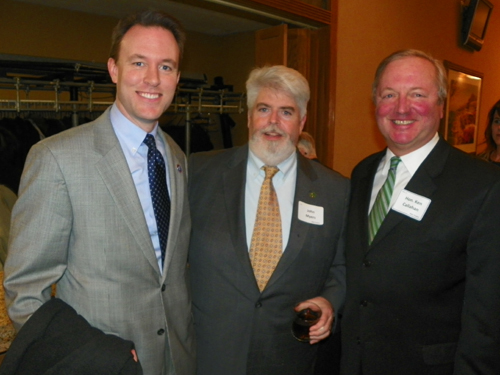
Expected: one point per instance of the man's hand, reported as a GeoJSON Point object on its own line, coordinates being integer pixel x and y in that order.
{"type": "Point", "coordinates": [322, 329]}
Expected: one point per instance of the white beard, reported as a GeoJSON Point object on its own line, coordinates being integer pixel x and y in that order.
{"type": "Point", "coordinates": [271, 152]}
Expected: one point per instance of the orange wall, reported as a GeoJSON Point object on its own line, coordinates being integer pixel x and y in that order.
{"type": "Point", "coordinates": [42, 31]}
{"type": "Point", "coordinates": [368, 31]}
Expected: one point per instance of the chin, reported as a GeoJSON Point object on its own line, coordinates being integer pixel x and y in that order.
{"type": "Point", "coordinates": [272, 153]}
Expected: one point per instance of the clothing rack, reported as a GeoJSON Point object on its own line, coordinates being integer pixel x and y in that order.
{"type": "Point", "coordinates": [201, 100]}
{"type": "Point", "coordinates": [84, 101]}
{"type": "Point", "coordinates": [25, 87]}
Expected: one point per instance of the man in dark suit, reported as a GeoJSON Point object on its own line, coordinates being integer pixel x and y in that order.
{"type": "Point", "coordinates": [86, 216]}
{"type": "Point", "coordinates": [243, 325]}
{"type": "Point", "coordinates": [423, 289]}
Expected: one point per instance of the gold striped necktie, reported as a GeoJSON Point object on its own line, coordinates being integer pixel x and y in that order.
{"type": "Point", "coordinates": [266, 247]}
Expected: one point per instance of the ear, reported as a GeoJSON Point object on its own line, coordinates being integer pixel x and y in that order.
{"type": "Point", "coordinates": [441, 111]}
{"type": "Point", "coordinates": [302, 123]}
{"type": "Point", "coordinates": [113, 70]}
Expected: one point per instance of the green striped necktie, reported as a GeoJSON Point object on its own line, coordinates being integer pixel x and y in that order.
{"type": "Point", "coordinates": [382, 202]}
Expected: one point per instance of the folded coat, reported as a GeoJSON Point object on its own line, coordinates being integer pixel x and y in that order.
{"type": "Point", "coordinates": [56, 340]}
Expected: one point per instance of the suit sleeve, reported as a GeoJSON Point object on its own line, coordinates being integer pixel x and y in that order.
{"type": "Point", "coordinates": [40, 233]}
{"type": "Point", "coordinates": [335, 286]}
{"type": "Point", "coordinates": [479, 343]}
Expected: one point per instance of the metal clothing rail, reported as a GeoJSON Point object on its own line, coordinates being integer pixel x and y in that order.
{"type": "Point", "coordinates": [200, 100]}
{"type": "Point", "coordinates": [83, 99]}
{"type": "Point", "coordinates": [24, 87]}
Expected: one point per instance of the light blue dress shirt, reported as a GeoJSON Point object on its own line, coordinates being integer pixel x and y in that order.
{"type": "Point", "coordinates": [131, 139]}
{"type": "Point", "coordinates": [284, 184]}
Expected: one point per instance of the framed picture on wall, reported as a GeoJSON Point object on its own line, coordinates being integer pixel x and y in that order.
{"type": "Point", "coordinates": [461, 117]}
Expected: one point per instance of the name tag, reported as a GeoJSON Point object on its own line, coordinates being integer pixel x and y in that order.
{"type": "Point", "coordinates": [310, 214]}
{"type": "Point", "coordinates": [411, 205]}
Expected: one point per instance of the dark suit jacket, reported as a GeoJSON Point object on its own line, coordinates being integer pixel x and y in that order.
{"type": "Point", "coordinates": [239, 329]}
{"type": "Point", "coordinates": [424, 298]}
{"type": "Point", "coordinates": [56, 340]}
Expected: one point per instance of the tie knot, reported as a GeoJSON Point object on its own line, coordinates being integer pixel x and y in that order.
{"type": "Point", "coordinates": [270, 171]}
{"type": "Point", "coordinates": [394, 162]}
{"type": "Point", "coordinates": [150, 142]}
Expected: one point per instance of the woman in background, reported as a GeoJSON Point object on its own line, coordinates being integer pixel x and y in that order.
{"type": "Point", "coordinates": [492, 135]}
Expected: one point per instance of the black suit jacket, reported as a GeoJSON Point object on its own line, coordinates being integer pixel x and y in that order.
{"type": "Point", "coordinates": [239, 330]}
{"type": "Point", "coordinates": [424, 298]}
{"type": "Point", "coordinates": [56, 340]}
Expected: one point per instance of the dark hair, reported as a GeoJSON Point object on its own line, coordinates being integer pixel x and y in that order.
{"type": "Point", "coordinates": [487, 133]}
{"type": "Point", "coordinates": [147, 18]}
{"type": "Point", "coordinates": [441, 81]}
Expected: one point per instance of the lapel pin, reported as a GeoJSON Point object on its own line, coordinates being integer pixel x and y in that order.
{"type": "Point", "coordinates": [312, 194]}
{"type": "Point", "coordinates": [179, 168]}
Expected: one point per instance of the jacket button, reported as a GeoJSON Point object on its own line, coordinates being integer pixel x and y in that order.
{"type": "Point", "coordinates": [160, 332]}
{"type": "Point", "coordinates": [163, 287]}
{"type": "Point", "coordinates": [364, 303]}
{"type": "Point", "coordinates": [367, 263]}
{"type": "Point", "coordinates": [258, 304]}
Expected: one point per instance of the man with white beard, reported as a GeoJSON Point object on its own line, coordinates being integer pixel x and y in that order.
{"type": "Point", "coordinates": [244, 293]}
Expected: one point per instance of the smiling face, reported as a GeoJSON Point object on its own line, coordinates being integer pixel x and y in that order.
{"type": "Point", "coordinates": [146, 74]}
{"type": "Point", "coordinates": [274, 125]}
{"type": "Point", "coordinates": [407, 104]}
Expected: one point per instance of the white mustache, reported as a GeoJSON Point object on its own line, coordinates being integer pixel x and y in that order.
{"type": "Point", "coordinates": [272, 129]}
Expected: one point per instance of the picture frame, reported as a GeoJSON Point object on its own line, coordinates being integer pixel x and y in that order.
{"type": "Point", "coordinates": [461, 111]}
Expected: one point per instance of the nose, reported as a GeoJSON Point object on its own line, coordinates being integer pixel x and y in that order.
{"type": "Point", "coordinates": [273, 117]}
{"type": "Point", "coordinates": [403, 104]}
{"type": "Point", "coordinates": [152, 76]}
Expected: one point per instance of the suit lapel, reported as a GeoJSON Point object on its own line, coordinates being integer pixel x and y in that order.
{"type": "Point", "coordinates": [422, 183]}
{"type": "Point", "coordinates": [115, 173]}
{"type": "Point", "coordinates": [234, 177]}
{"type": "Point", "coordinates": [304, 186]}
{"type": "Point", "coordinates": [175, 165]}
{"type": "Point", "coordinates": [364, 188]}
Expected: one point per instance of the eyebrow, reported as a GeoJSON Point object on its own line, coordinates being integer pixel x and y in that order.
{"type": "Point", "coordinates": [410, 89]}
{"type": "Point", "coordinates": [139, 56]}
{"type": "Point", "coordinates": [268, 106]}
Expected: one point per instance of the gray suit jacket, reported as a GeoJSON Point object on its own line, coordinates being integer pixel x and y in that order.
{"type": "Point", "coordinates": [424, 297]}
{"type": "Point", "coordinates": [241, 331]}
{"type": "Point", "coordinates": [79, 223]}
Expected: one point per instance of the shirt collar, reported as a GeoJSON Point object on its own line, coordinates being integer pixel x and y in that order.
{"type": "Point", "coordinates": [285, 167]}
{"type": "Point", "coordinates": [130, 134]}
{"type": "Point", "coordinates": [413, 160]}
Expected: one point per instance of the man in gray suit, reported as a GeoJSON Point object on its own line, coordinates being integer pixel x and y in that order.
{"type": "Point", "coordinates": [243, 326]}
{"type": "Point", "coordinates": [85, 218]}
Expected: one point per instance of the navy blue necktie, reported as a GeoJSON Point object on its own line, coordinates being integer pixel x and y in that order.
{"type": "Point", "coordinates": [159, 192]}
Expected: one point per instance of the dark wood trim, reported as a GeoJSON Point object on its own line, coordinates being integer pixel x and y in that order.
{"type": "Point", "coordinates": [292, 9]}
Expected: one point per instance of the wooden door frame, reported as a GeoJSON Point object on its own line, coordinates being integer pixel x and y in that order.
{"type": "Point", "coordinates": [317, 18]}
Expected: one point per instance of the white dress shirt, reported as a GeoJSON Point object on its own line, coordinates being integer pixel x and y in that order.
{"type": "Point", "coordinates": [131, 139]}
{"type": "Point", "coordinates": [284, 185]}
{"type": "Point", "coordinates": [405, 171]}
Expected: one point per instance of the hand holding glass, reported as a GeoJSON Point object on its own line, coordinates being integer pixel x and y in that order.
{"type": "Point", "coordinates": [303, 320]}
